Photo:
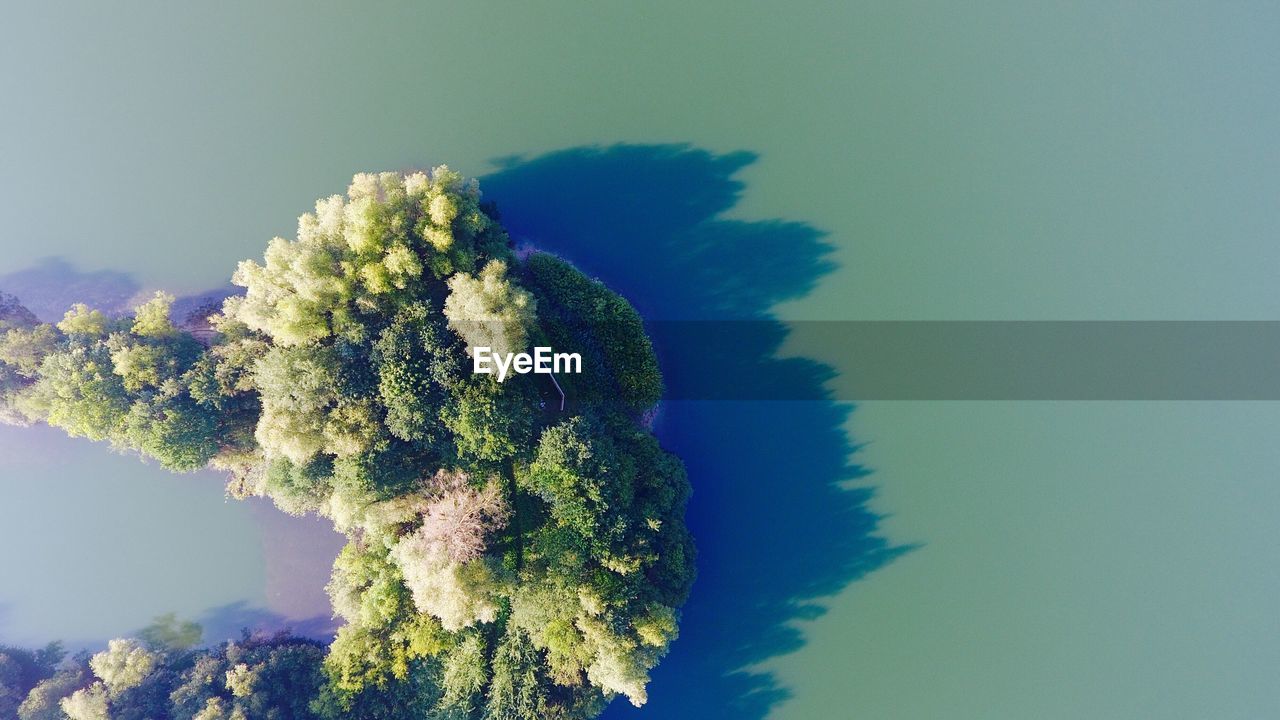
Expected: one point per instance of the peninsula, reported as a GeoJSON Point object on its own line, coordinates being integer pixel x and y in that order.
{"type": "Point", "coordinates": [509, 555]}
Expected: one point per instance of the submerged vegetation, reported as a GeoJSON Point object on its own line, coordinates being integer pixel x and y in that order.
{"type": "Point", "coordinates": [505, 558]}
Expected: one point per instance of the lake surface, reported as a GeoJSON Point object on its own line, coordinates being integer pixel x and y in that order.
{"type": "Point", "coordinates": [913, 160]}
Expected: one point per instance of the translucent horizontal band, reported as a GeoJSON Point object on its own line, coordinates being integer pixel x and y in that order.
{"type": "Point", "coordinates": [936, 360]}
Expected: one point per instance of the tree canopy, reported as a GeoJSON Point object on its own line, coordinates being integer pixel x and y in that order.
{"type": "Point", "coordinates": [505, 558]}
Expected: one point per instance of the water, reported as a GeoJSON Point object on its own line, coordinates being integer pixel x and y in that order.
{"type": "Point", "coordinates": [913, 160]}
{"type": "Point", "coordinates": [97, 544]}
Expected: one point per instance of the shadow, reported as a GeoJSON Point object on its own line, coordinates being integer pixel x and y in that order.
{"type": "Point", "coordinates": [777, 524]}
{"type": "Point", "coordinates": [202, 303]}
{"type": "Point", "coordinates": [217, 625]}
{"type": "Point", "coordinates": [229, 621]}
{"type": "Point", "coordinates": [54, 284]}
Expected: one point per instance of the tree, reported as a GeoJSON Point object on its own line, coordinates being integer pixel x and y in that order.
{"type": "Point", "coordinates": [490, 310]}
{"type": "Point", "coordinates": [364, 255]}
{"type": "Point", "coordinates": [298, 387]}
{"type": "Point", "coordinates": [442, 562]}
{"type": "Point", "coordinates": [151, 319]}
{"type": "Point", "coordinates": [87, 704]}
{"type": "Point", "coordinates": [83, 321]}
{"type": "Point", "coordinates": [11, 690]}
{"type": "Point", "coordinates": [24, 348]}
{"type": "Point", "coordinates": [79, 392]}
{"type": "Point", "coordinates": [171, 427]}
{"type": "Point", "coordinates": [518, 691]}
{"type": "Point", "coordinates": [586, 317]}
{"type": "Point", "coordinates": [44, 700]}
{"type": "Point", "coordinates": [584, 480]}
{"type": "Point", "coordinates": [465, 673]}
{"type": "Point", "coordinates": [418, 361]}
{"type": "Point", "coordinates": [13, 314]}
{"type": "Point", "coordinates": [271, 676]}
{"type": "Point", "coordinates": [490, 422]}
{"type": "Point", "coordinates": [124, 665]}
{"type": "Point", "coordinates": [459, 595]}
{"type": "Point", "coordinates": [21, 670]}
{"type": "Point", "coordinates": [296, 489]}
{"type": "Point", "coordinates": [168, 633]}
{"type": "Point", "coordinates": [457, 518]}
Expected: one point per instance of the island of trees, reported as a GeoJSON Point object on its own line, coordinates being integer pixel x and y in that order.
{"type": "Point", "coordinates": [506, 558]}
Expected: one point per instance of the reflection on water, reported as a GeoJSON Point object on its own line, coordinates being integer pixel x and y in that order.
{"type": "Point", "coordinates": [778, 525]}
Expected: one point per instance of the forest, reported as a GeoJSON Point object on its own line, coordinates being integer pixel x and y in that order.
{"type": "Point", "coordinates": [507, 557]}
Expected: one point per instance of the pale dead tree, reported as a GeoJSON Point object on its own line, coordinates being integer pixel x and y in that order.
{"type": "Point", "coordinates": [459, 517]}
{"type": "Point", "coordinates": [443, 560]}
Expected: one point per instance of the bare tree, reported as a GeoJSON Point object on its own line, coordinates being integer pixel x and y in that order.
{"type": "Point", "coordinates": [459, 517]}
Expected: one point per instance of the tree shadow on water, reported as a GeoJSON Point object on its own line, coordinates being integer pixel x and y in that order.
{"type": "Point", "coordinates": [54, 284]}
{"type": "Point", "coordinates": [231, 621]}
{"type": "Point", "coordinates": [777, 524]}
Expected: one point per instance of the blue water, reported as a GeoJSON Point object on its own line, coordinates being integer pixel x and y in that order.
{"type": "Point", "coordinates": [776, 525]}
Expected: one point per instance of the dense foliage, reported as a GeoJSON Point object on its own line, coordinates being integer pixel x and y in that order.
{"type": "Point", "coordinates": [506, 559]}
{"type": "Point", "coordinates": [163, 676]}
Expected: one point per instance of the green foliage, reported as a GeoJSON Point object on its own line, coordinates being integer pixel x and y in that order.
{"type": "Point", "coordinates": [506, 559]}
{"type": "Point", "coordinates": [256, 677]}
{"type": "Point", "coordinates": [124, 665]}
{"type": "Point", "coordinates": [87, 704]}
{"type": "Point", "coordinates": [80, 392]}
{"type": "Point", "coordinates": [583, 479]}
{"type": "Point", "coordinates": [82, 321]}
{"type": "Point", "coordinates": [518, 690]}
{"type": "Point", "coordinates": [490, 422]}
{"type": "Point", "coordinates": [417, 364]}
{"type": "Point", "coordinates": [44, 700]}
{"type": "Point", "coordinates": [458, 594]}
{"type": "Point", "coordinates": [414, 698]}
{"type": "Point", "coordinates": [298, 388]}
{"type": "Point", "coordinates": [21, 670]}
{"type": "Point", "coordinates": [586, 317]}
{"type": "Point", "coordinates": [124, 381]}
{"type": "Point", "coordinates": [490, 310]}
{"type": "Point", "coordinates": [465, 674]}
{"type": "Point", "coordinates": [391, 239]}
{"type": "Point", "coordinates": [173, 428]}
{"type": "Point", "coordinates": [168, 633]}
{"type": "Point", "coordinates": [367, 588]}
{"type": "Point", "coordinates": [297, 489]}
{"type": "Point", "coordinates": [24, 348]}
{"type": "Point", "coordinates": [364, 659]}
{"type": "Point", "coordinates": [151, 319]}
{"type": "Point", "coordinates": [274, 679]}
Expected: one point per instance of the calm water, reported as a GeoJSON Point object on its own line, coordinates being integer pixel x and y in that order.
{"type": "Point", "coordinates": [912, 160]}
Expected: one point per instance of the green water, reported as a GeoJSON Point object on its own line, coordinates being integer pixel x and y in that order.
{"type": "Point", "coordinates": [1089, 161]}
{"type": "Point", "coordinates": [94, 543]}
